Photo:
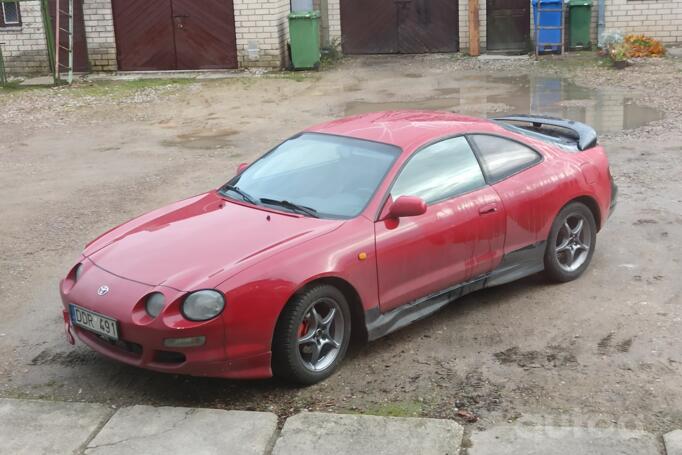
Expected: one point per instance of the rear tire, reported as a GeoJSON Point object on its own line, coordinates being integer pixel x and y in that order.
{"type": "Point", "coordinates": [312, 336]}
{"type": "Point", "coordinates": [571, 243]}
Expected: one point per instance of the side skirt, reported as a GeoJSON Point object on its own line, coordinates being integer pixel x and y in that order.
{"type": "Point", "coordinates": [515, 265]}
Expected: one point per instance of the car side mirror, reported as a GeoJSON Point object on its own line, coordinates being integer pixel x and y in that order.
{"type": "Point", "coordinates": [407, 206]}
{"type": "Point", "coordinates": [241, 167]}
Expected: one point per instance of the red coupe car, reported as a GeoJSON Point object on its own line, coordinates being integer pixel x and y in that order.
{"type": "Point", "coordinates": [358, 227]}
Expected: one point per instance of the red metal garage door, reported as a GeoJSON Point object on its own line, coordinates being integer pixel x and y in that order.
{"type": "Point", "coordinates": [175, 34]}
{"type": "Point", "coordinates": [399, 26]}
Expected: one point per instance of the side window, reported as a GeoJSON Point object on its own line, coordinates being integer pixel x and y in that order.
{"type": "Point", "coordinates": [440, 171]}
{"type": "Point", "coordinates": [501, 157]}
{"type": "Point", "coordinates": [10, 14]}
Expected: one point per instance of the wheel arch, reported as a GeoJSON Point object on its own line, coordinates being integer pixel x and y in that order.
{"type": "Point", "coordinates": [592, 205]}
{"type": "Point", "coordinates": [358, 324]}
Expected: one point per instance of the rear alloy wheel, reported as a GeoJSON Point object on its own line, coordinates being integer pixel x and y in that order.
{"type": "Point", "coordinates": [312, 336]}
{"type": "Point", "coordinates": [571, 243]}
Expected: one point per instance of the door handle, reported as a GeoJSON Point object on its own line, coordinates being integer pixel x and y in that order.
{"type": "Point", "coordinates": [486, 209]}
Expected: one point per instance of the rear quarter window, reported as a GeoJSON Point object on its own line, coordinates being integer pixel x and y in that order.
{"type": "Point", "coordinates": [502, 158]}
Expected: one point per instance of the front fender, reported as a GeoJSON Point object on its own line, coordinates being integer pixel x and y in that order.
{"type": "Point", "coordinates": [257, 295]}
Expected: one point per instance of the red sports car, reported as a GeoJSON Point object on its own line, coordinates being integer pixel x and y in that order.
{"type": "Point", "coordinates": [358, 226]}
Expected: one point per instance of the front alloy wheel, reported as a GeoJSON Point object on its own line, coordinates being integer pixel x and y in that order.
{"type": "Point", "coordinates": [312, 335]}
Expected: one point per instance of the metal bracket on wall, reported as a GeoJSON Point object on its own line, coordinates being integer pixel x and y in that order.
{"type": "Point", "coordinates": [3, 76]}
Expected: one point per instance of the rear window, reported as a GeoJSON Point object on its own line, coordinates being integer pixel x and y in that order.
{"type": "Point", "coordinates": [556, 136]}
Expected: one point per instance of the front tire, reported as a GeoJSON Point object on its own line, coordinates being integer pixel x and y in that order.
{"type": "Point", "coordinates": [312, 336]}
{"type": "Point", "coordinates": [571, 243]}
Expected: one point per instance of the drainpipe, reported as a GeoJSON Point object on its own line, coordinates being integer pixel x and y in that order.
{"type": "Point", "coordinates": [601, 22]}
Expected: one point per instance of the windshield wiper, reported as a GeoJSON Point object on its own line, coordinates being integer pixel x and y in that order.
{"type": "Point", "coordinates": [246, 196]}
{"type": "Point", "coordinates": [291, 206]}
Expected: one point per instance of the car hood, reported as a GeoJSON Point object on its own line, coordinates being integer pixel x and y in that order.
{"type": "Point", "coordinates": [200, 242]}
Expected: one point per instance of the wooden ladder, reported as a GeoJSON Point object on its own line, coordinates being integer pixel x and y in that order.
{"type": "Point", "coordinates": [58, 30]}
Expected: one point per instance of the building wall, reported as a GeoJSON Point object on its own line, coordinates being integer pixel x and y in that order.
{"type": "Point", "coordinates": [24, 46]}
{"type": "Point", "coordinates": [334, 9]}
{"type": "Point", "coordinates": [660, 19]}
{"type": "Point", "coordinates": [464, 25]}
{"type": "Point", "coordinates": [99, 34]}
{"type": "Point", "coordinates": [262, 29]}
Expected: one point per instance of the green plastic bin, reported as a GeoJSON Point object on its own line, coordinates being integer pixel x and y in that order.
{"type": "Point", "coordinates": [580, 17]}
{"type": "Point", "coordinates": [304, 34]}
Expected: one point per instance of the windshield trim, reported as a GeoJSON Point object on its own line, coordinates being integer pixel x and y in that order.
{"type": "Point", "coordinates": [322, 215]}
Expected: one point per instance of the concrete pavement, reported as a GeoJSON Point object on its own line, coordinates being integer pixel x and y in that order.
{"type": "Point", "coordinates": [46, 427]}
{"type": "Point", "coordinates": [314, 433]}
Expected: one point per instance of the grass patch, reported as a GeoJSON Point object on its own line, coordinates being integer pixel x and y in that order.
{"type": "Point", "coordinates": [296, 76]}
{"type": "Point", "coordinates": [15, 87]}
{"type": "Point", "coordinates": [573, 61]}
{"type": "Point", "coordinates": [396, 409]}
{"type": "Point", "coordinates": [123, 88]}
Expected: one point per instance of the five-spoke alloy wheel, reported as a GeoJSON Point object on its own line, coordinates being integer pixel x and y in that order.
{"type": "Point", "coordinates": [571, 243]}
{"type": "Point", "coordinates": [312, 335]}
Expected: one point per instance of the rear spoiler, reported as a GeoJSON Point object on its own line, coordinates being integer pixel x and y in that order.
{"type": "Point", "coordinates": [587, 136]}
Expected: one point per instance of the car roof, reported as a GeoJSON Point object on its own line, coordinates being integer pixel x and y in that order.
{"type": "Point", "coordinates": [406, 129]}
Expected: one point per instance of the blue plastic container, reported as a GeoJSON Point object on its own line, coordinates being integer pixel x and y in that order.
{"type": "Point", "coordinates": [548, 15]}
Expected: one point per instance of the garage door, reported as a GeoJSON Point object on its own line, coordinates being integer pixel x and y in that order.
{"type": "Point", "coordinates": [399, 26]}
{"type": "Point", "coordinates": [508, 25]}
{"type": "Point", "coordinates": [174, 34]}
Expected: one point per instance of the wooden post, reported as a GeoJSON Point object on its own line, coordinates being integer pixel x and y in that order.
{"type": "Point", "coordinates": [474, 29]}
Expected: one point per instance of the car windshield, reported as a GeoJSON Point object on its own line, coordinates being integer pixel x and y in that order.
{"type": "Point", "coordinates": [332, 175]}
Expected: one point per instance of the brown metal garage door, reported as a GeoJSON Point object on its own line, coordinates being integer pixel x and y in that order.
{"type": "Point", "coordinates": [399, 26]}
{"type": "Point", "coordinates": [508, 23]}
{"type": "Point", "coordinates": [175, 34]}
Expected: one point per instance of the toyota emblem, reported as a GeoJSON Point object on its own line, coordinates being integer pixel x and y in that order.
{"type": "Point", "coordinates": [103, 290]}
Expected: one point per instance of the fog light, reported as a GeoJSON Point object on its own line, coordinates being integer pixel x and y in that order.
{"type": "Point", "coordinates": [184, 342]}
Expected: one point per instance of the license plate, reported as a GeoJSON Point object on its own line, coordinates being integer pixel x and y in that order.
{"type": "Point", "coordinates": [94, 322]}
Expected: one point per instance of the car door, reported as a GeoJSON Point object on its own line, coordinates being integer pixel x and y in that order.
{"type": "Point", "coordinates": [459, 237]}
{"type": "Point", "coordinates": [524, 188]}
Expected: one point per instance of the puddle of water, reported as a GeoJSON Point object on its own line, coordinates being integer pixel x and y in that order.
{"type": "Point", "coordinates": [484, 96]}
{"type": "Point", "coordinates": [201, 139]}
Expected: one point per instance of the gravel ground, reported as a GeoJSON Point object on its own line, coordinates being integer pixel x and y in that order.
{"type": "Point", "coordinates": [602, 350]}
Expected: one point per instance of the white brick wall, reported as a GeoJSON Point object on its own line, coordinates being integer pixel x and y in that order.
{"type": "Point", "coordinates": [24, 46]}
{"type": "Point", "coordinates": [334, 9]}
{"type": "Point", "coordinates": [660, 19]}
{"type": "Point", "coordinates": [99, 34]}
{"type": "Point", "coordinates": [262, 29]}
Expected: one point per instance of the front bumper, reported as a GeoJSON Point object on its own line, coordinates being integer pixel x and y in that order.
{"type": "Point", "coordinates": [141, 338]}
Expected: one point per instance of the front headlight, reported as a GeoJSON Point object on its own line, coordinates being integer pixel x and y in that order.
{"type": "Point", "coordinates": [154, 304]}
{"type": "Point", "coordinates": [203, 305]}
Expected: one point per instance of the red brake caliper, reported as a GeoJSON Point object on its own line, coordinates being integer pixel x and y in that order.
{"type": "Point", "coordinates": [303, 329]}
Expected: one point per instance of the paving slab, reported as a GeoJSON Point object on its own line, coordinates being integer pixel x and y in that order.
{"type": "Point", "coordinates": [44, 427]}
{"type": "Point", "coordinates": [673, 442]}
{"type": "Point", "coordinates": [548, 440]}
{"type": "Point", "coordinates": [165, 430]}
{"type": "Point", "coordinates": [340, 434]}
